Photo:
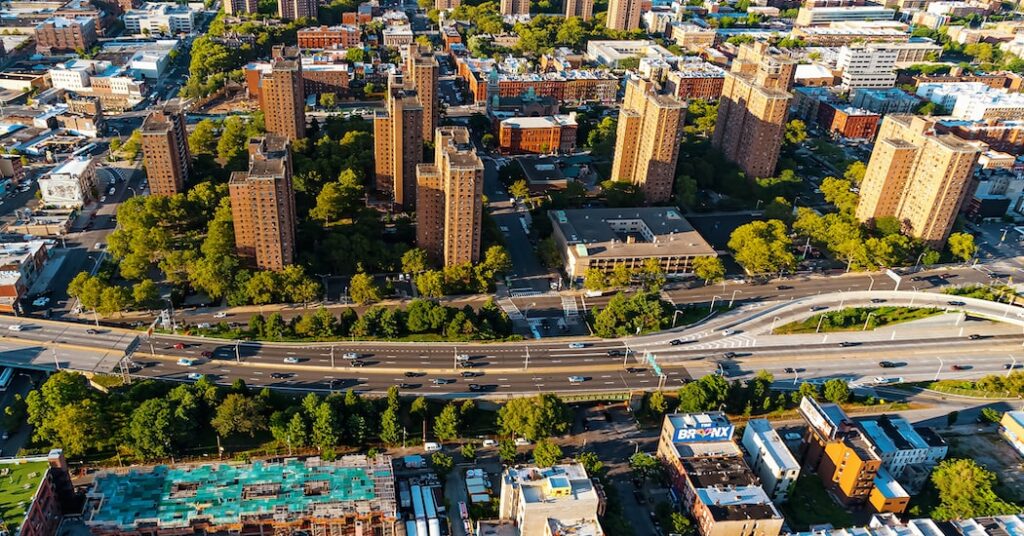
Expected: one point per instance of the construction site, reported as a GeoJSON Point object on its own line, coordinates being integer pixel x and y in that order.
{"type": "Point", "coordinates": [352, 496]}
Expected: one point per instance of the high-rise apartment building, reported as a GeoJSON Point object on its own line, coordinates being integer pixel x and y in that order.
{"type": "Point", "coordinates": [421, 69]}
{"type": "Point", "coordinates": [583, 9]}
{"type": "Point", "coordinates": [165, 148]}
{"type": "Point", "coordinates": [450, 199]}
{"type": "Point", "coordinates": [753, 108]}
{"type": "Point", "coordinates": [263, 204]}
{"type": "Point", "coordinates": [398, 143]}
{"type": "Point", "coordinates": [515, 7]}
{"type": "Point", "coordinates": [297, 9]}
{"type": "Point", "coordinates": [234, 7]}
{"type": "Point", "coordinates": [647, 142]}
{"type": "Point", "coordinates": [282, 98]}
{"type": "Point", "coordinates": [445, 5]}
{"type": "Point", "coordinates": [624, 14]}
{"type": "Point", "coordinates": [917, 176]}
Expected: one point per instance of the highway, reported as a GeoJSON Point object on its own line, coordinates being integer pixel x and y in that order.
{"type": "Point", "coordinates": [737, 344]}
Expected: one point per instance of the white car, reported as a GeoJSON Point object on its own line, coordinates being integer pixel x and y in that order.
{"type": "Point", "coordinates": [99, 245]}
{"type": "Point", "coordinates": [195, 375]}
{"type": "Point", "coordinates": [577, 345]}
{"type": "Point", "coordinates": [15, 327]}
{"type": "Point", "coordinates": [522, 441]}
{"type": "Point", "coordinates": [187, 362]}
{"type": "Point", "coordinates": [727, 332]}
{"type": "Point", "coordinates": [221, 314]}
{"type": "Point", "coordinates": [291, 360]}
{"type": "Point", "coordinates": [41, 302]}
{"type": "Point", "coordinates": [350, 355]}
{"type": "Point", "coordinates": [576, 379]}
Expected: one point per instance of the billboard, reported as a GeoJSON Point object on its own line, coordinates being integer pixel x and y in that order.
{"type": "Point", "coordinates": [703, 432]}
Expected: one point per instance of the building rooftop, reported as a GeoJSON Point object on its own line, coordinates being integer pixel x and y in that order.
{"type": "Point", "coordinates": [891, 433]}
{"type": "Point", "coordinates": [19, 482]}
{"type": "Point", "coordinates": [1015, 416]}
{"type": "Point", "coordinates": [563, 482]}
{"type": "Point", "coordinates": [887, 485]}
{"type": "Point", "coordinates": [72, 167]}
{"type": "Point", "coordinates": [175, 497]}
{"type": "Point", "coordinates": [547, 121]}
{"type": "Point", "coordinates": [738, 504]}
{"type": "Point", "coordinates": [648, 231]}
{"type": "Point", "coordinates": [583, 527]}
{"type": "Point", "coordinates": [66, 22]}
{"type": "Point", "coordinates": [724, 471]}
{"type": "Point", "coordinates": [775, 448]}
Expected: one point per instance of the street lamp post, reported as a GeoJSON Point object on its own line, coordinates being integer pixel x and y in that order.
{"type": "Point", "coordinates": [866, 320]}
{"type": "Point", "coordinates": [940, 368]}
{"type": "Point", "coordinates": [713, 299]}
{"type": "Point", "coordinates": [772, 330]}
{"type": "Point", "coordinates": [919, 257]}
{"type": "Point", "coordinates": [733, 298]}
{"type": "Point", "coordinates": [674, 315]}
{"type": "Point", "coordinates": [1013, 365]}
{"type": "Point", "coordinates": [174, 326]}
{"type": "Point", "coordinates": [332, 356]}
{"type": "Point", "coordinates": [820, 320]}
{"type": "Point", "coordinates": [238, 352]}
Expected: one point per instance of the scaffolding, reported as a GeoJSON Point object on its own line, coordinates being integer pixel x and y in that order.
{"type": "Point", "coordinates": [352, 496]}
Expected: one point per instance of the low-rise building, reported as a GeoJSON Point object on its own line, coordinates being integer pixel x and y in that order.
{"type": "Point", "coordinates": [1005, 136]}
{"type": "Point", "coordinates": [534, 496]}
{"type": "Point", "coordinates": [115, 88]}
{"type": "Point", "coordinates": [20, 265]}
{"type": "Point", "coordinates": [695, 80]}
{"type": "Point", "coordinates": [538, 135]}
{"type": "Point", "coordinates": [848, 122]}
{"type": "Point", "coordinates": [160, 19]}
{"type": "Point", "coordinates": [884, 101]}
{"type": "Point", "coordinates": [601, 238]}
{"type": "Point", "coordinates": [612, 53]}
{"type": "Point", "coordinates": [62, 34]}
{"type": "Point", "coordinates": [974, 101]}
{"type": "Point", "coordinates": [888, 496]}
{"type": "Point", "coordinates": [692, 37]}
{"type": "Point", "coordinates": [900, 445]}
{"type": "Point", "coordinates": [71, 184]}
{"type": "Point", "coordinates": [871, 65]}
{"type": "Point", "coordinates": [397, 36]}
{"type": "Point", "coordinates": [813, 75]}
{"type": "Point", "coordinates": [341, 36]}
{"type": "Point", "coordinates": [1011, 427]}
{"type": "Point", "coordinates": [770, 459]}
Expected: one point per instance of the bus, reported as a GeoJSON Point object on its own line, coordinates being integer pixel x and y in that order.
{"type": "Point", "coordinates": [5, 378]}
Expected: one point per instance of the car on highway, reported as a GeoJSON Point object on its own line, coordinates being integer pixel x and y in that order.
{"type": "Point", "coordinates": [336, 383]}
{"type": "Point", "coordinates": [789, 370]}
{"type": "Point", "coordinates": [462, 358]}
{"type": "Point", "coordinates": [727, 332]}
{"type": "Point", "coordinates": [675, 342]}
{"type": "Point", "coordinates": [633, 370]}
{"type": "Point", "coordinates": [956, 303]}
{"type": "Point", "coordinates": [577, 345]}
{"type": "Point", "coordinates": [475, 387]}
{"type": "Point", "coordinates": [818, 308]}
{"type": "Point", "coordinates": [408, 385]}
{"type": "Point", "coordinates": [15, 327]}
{"type": "Point", "coordinates": [187, 362]}
{"type": "Point", "coordinates": [959, 367]}
{"type": "Point", "coordinates": [350, 355]}
{"type": "Point", "coordinates": [576, 379]}
{"type": "Point", "coordinates": [441, 381]}
{"type": "Point", "coordinates": [179, 346]}
{"type": "Point", "coordinates": [783, 287]}
{"type": "Point", "coordinates": [280, 375]}
{"type": "Point", "coordinates": [206, 353]}
{"type": "Point", "coordinates": [1011, 366]}
{"type": "Point", "coordinates": [111, 191]}
{"type": "Point", "coordinates": [220, 314]}
{"type": "Point", "coordinates": [878, 300]}
{"type": "Point", "coordinates": [614, 353]}
{"type": "Point", "coordinates": [974, 336]}
{"type": "Point", "coordinates": [730, 355]}
{"type": "Point", "coordinates": [887, 364]}
{"type": "Point", "coordinates": [471, 374]}
{"type": "Point", "coordinates": [195, 375]}
{"type": "Point", "coordinates": [357, 363]}
{"type": "Point", "coordinates": [847, 344]}
{"type": "Point", "coordinates": [291, 360]}
{"type": "Point", "coordinates": [411, 374]}
{"type": "Point", "coordinates": [91, 331]}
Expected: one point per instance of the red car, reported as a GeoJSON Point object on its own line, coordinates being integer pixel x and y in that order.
{"type": "Point", "coordinates": [959, 367]}
{"type": "Point", "coordinates": [179, 346]}
{"type": "Point", "coordinates": [206, 353]}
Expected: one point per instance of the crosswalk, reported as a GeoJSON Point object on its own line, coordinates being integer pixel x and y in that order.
{"type": "Point", "coordinates": [572, 312]}
{"type": "Point", "coordinates": [740, 340]}
{"type": "Point", "coordinates": [523, 292]}
{"type": "Point", "coordinates": [510, 309]}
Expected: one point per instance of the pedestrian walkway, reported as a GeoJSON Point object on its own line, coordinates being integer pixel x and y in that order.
{"type": "Point", "coordinates": [572, 313]}
{"type": "Point", "coordinates": [510, 309]}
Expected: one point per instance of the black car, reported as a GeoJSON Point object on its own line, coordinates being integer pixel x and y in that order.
{"type": "Point", "coordinates": [847, 344]}
{"type": "Point", "coordinates": [280, 375]}
{"type": "Point", "coordinates": [412, 374]}
{"type": "Point", "coordinates": [887, 364]}
{"type": "Point", "coordinates": [878, 300]}
{"type": "Point", "coordinates": [614, 353]}
{"type": "Point", "coordinates": [474, 387]}
{"type": "Point", "coordinates": [956, 303]}
{"type": "Point", "coordinates": [974, 336]}
{"type": "Point", "coordinates": [407, 386]}
{"type": "Point", "coordinates": [675, 342]}
{"type": "Point", "coordinates": [633, 370]}
{"type": "Point", "coordinates": [789, 370]}
{"type": "Point", "coordinates": [729, 355]}
{"type": "Point", "coordinates": [471, 374]}
{"type": "Point", "coordinates": [357, 363]}
{"type": "Point", "coordinates": [336, 382]}
{"type": "Point", "coordinates": [783, 287]}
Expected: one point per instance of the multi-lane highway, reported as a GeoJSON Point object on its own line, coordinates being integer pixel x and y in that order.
{"type": "Point", "coordinates": [736, 344]}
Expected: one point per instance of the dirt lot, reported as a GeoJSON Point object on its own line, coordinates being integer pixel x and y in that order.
{"type": "Point", "coordinates": [984, 445]}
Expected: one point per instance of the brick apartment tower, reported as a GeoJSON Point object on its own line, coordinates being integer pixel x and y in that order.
{"type": "Point", "coordinates": [420, 74]}
{"type": "Point", "coordinates": [263, 204]}
{"type": "Point", "coordinates": [624, 14]}
{"type": "Point", "coordinates": [583, 9]}
{"type": "Point", "coordinates": [917, 176]}
{"type": "Point", "coordinates": [450, 195]}
{"type": "Point", "coordinates": [165, 148]}
{"type": "Point", "coordinates": [753, 108]}
{"type": "Point", "coordinates": [398, 144]}
{"type": "Point", "coordinates": [235, 7]}
{"type": "Point", "coordinates": [281, 94]}
{"type": "Point", "coordinates": [297, 9]}
{"type": "Point", "coordinates": [515, 7]}
{"type": "Point", "coordinates": [647, 140]}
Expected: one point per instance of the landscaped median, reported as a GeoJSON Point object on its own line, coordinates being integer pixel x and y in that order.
{"type": "Point", "coordinates": [992, 386]}
{"type": "Point", "coordinates": [856, 319]}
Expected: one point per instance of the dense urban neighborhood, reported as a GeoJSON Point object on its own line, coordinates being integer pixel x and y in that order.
{"type": "Point", "coordinates": [512, 268]}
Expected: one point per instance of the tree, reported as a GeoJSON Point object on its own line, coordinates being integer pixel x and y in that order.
{"type": "Point", "coordinates": [643, 464]}
{"type": "Point", "coordinates": [295, 433]}
{"type": "Point", "coordinates": [779, 209]}
{"type": "Point", "coordinates": [152, 428]}
{"type": "Point", "coordinates": [680, 523]}
{"type": "Point", "coordinates": [837, 391]}
{"type": "Point", "coordinates": [796, 132]}
{"type": "Point", "coordinates": [233, 139]}
{"type": "Point", "coordinates": [961, 246]}
{"type": "Point", "coordinates": [431, 283]}
{"type": "Point", "coordinates": [546, 453]}
{"type": "Point", "coordinates": [114, 299]}
{"type": "Point", "coordinates": [855, 172]}
{"type": "Point", "coordinates": [146, 294]}
{"type": "Point", "coordinates": [420, 408]}
{"type": "Point", "coordinates": [327, 100]}
{"type": "Point", "coordinates": [762, 247]}
{"type": "Point", "coordinates": [446, 425]}
{"type": "Point", "coordinates": [710, 269]}
{"type": "Point", "coordinates": [203, 139]}
{"type": "Point", "coordinates": [239, 414]}
{"type": "Point", "coordinates": [468, 451]}
{"type": "Point", "coordinates": [966, 491]}
{"type": "Point", "coordinates": [991, 415]}
{"type": "Point", "coordinates": [594, 279]}
{"type": "Point", "coordinates": [415, 261]}
{"type": "Point", "coordinates": [591, 463]}
{"type": "Point", "coordinates": [657, 403]}
{"type": "Point", "coordinates": [519, 189]}
{"type": "Point", "coordinates": [507, 451]}
{"type": "Point", "coordinates": [443, 463]}
{"type": "Point", "coordinates": [497, 260]}
{"type": "Point", "coordinates": [390, 430]}
{"type": "Point", "coordinates": [930, 257]}
{"type": "Point", "coordinates": [362, 289]}
{"type": "Point", "coordinates": [837, 192]}
{"type": "Point", "coordinates": [534, 418]}
{"type": "Point", "coordinates": [325, 427]}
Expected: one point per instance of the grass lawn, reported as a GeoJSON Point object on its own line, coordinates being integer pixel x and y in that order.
{"type": "Point", "coordinates": [810, 505]}
{"type": "Point", "coordinates": [962, 388]}
{"type": "Point", "coordinates": [17, 487]}
{"type": "Point", "coordinates": [853, 319]}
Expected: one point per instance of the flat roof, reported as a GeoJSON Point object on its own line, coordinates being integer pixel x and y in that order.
{"type": "Point", "coordinates": [742, 503]}
{"type": "Point", "coordinates": [645, 231]}
{"type": "Point", "coordinates": [722, 471]}
{"type": "Point", "coordinates": [19, 482]}
{"type": "Point", "coordinates": [776, 449]}
{"type": "Point", "coordinates": [72, 166]}
{"type": "Point", "coordinates": [887, 485]}
{"type": "Point", "coordinates": [546, 121]}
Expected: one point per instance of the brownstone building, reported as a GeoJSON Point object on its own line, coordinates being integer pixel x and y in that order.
{"type": "Point", "coordinates": [848, 122]}
{"type": "Point", "coordinates": [647, 142]}
{"type": "Point", "coordinates": [702, 81]}
{"type": "Point", "coordinates": [61, 34]}
{"type": "Point", "coordinates": [540, 135]}
{"type": "Point", "coordinates": [263, 204]}
{"type": "Point", "coordinates": [235, 7]}
{"type": "Point", "coordinates": [753, 108]}
{"type": "Point", "coordinates": [165, 148]}
{"type": "Point", "coordinates": [398, 143]}
{"type": "Point", "coordinates": [343, 36]}
{"type": "Point", "coordinates": [450, 199]}
{"type": "Point", "coordinates": [283, 100]}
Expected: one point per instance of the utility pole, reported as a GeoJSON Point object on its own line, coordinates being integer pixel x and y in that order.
{"type": "Point", "coordinates": [332, 356]}
{"type": "Point", "coordinates": [526, 365]}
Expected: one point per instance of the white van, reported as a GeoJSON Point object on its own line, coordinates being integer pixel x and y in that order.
{"type": "Point", "coordinates": [431, 446]}
{"type": "Point", "coordinates": [488, 443]}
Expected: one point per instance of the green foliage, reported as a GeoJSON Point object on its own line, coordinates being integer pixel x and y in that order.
{"type": "Point", "coordinates": [507, 451]}
{"type": "Point", "coordinates": [710, 269]}
{"type": "Point", "coordinates": [442, 462]}
{"type": "Point", "coordinates": [854, 319]}
{"type": "Point", "coordinates": [796, 132]}
{"type": "Point", "coordinates": [705, 394]}
{"type": "Point", "coordinates": [591, 463]}
{"type": "Point", "coordinates": [239, 414]}
{"type": "Point", "coordinates": [546, 453]}
{"type": "Point", "coordinates": [534, 418]}
{"type": "Point", "coordinates": [339, 199]}
{"type": "Point", "coordinates": [855, 172]}
{"type": "Point", "coordinates": [627, 315]}
{"type": "Point", "coordinates": [966, 491]}
{"type": "Point", "coordinates": [447, 423]}
{"type": "Point", "coordinates": [644, 465]}
{"type": "Point", "coordinates": [837, 391]}
{"type": "Point", "coordinates": [962, 246]}
{"type": "Point", "coordinates": [203, 139]}
{"type": "Point", "coordinates": [991, 415]}
{"type": "Point", "coordinates": [762, 247]}
{"type": "Point", "coordinates": [363, 290]}
{"type": "Point", "coordinates": [983, 292]}
{"type": "Point", "coordinates": [622, 194]}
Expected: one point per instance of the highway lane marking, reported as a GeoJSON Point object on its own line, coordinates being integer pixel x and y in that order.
{"type": "Point", "coordinates": [609, 383]}
{"type": "Point", "coordinates": [389, 362]}
{"type": "Point", "coordinates": [502, 379]}
{"type": "Point", "coordinates": [504, 385]}
{"type": "Point", "coordinates": [606, 376]}
{"type": "Point", "coordinates": [258, 372]}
